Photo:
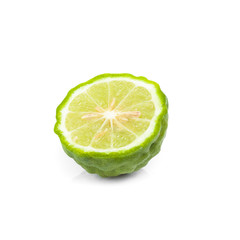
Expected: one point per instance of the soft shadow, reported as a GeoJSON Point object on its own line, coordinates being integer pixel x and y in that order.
{"type": "Point", "coordinates": [84, 176]}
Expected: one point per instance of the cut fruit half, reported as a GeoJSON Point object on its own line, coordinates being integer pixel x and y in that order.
{"type": "Point", "coordinates": [111, 117]}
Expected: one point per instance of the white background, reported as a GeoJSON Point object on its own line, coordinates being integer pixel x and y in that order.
{"type": "Point", "coordinates": [191, 190]}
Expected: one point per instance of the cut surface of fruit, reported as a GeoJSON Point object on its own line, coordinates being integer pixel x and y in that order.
{"type": "Point", "coordinates": [111, 114]}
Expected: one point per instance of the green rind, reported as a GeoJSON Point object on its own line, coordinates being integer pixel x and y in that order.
{"type": "Point", "coordinates": [123, 161]}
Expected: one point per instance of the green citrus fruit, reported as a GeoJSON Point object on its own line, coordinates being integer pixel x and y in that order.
{"type": "Point", "coordinates": [113, 124]}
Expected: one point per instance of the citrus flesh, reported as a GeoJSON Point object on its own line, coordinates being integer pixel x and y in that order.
{"type": "Point", "coordinates": [112, 119]}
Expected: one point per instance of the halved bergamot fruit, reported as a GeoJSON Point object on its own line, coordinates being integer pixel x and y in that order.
{"type": "Point", "coordinates": [113, 124]}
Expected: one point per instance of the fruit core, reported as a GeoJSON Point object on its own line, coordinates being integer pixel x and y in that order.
{"type": "Point", "coordinates": [113, 115]}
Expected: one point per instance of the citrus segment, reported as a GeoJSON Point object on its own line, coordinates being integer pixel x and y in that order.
{"type": "Point", "coordinates": [138, 126]}
{"type": "Point", "coordinates": [103, 139]}
{"type": "Point", "coordinates": [121, 135]}
{"type": "Point", "coordinates": [85, 134]}
{"type": "Point", "coordinates": [74, 120]}
{"type": "Point", "coordinates": [82, 103]}
{"type": "Point", "coordinates": [135, 96]}
{"type": "Point", "coordinates": [147, 109]}
{"type": "Point", "coordinates": [119, 89]}
{"type": "Point", "coordinates": [99, 93]}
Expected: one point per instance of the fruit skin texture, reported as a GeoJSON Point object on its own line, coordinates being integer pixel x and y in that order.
{"type": "Point", "coordinates": [124, 161]}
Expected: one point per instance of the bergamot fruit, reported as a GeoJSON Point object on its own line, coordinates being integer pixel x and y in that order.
{"type": "Point", "coordinates": [113, 124]}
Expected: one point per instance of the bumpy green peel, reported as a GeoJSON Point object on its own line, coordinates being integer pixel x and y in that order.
{"type": "Point", "coordinates": [123, 161]}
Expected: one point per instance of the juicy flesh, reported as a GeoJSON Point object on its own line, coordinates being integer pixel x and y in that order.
{"type": "Point", "coordinates": [109, 115]}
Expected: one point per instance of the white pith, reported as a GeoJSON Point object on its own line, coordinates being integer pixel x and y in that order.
{"type": "Point", "coordinates": [111, 114]}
